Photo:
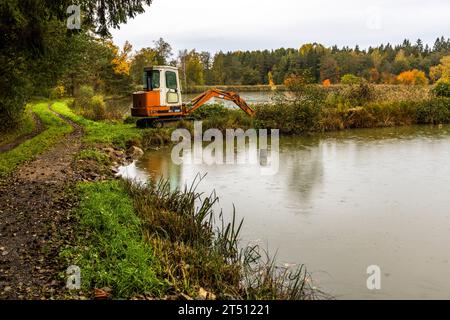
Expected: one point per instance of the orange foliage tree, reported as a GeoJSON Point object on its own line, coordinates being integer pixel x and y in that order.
{"type": "Point", "coordinates": [326, 83]}
{"type": "Point", "coordinates": [412, 77]}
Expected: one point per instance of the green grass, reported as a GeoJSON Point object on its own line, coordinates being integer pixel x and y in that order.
{"type": "Point", "coordinates": [113, 133]}
{"type": "Point", "coordinates": [110, 249]}
{"type": "Point", "coordinates": [26, 126]}
{"type": "Point", "coordinates": [93, 154]}
{"type": "Point", "coordinates": [55, 129]}
{"type": "Point", "coordinates": [100, 132]}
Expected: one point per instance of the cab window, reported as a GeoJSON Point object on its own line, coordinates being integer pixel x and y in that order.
{"type": "Point", "coordinates": [171, 80]}
{"type": "Point", "coordinates": [151, 80]}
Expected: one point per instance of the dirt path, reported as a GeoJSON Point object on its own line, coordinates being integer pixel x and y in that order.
{"type": "Point", "coordinates": [38, 128]}
{"type": "Point", "coordinates": [35, 220]}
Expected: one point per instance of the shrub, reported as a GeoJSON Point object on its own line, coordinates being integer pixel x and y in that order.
{"type": "Point", "coordinates": [291, 117]}
{"type": "Point", "coordinates": [98, 107]}
{"type": "Point", "coordinates": [358, 94]}
{"type": "Point", "coordinates": [210, 110]}
{"type": "Point", "coordinates": [434, 111]}
{"type": "Point", "coordinates": [57, 92]}
{"type": "Point", "coordinates": [350, 79]}
{"type": "Point", "coordinates": [442, 89]}
{"type": "Point", "coordinates": [220, 117]}
{"type": "Point", "coordinates": [84, 96]}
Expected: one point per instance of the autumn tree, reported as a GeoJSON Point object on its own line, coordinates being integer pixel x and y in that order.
{"type": "Point", "coordinates": [441, 71]}
{"type": "Point", "coordinates": [121, 59]}
{"type": "Point", "coordinates": [412, 77]}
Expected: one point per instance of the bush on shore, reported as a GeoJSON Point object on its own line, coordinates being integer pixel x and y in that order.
{"type": "Point", "coordinates": [292, 118]}
{"type": "Point", "coordinates": [442, 89]}
{"type": "Point", "coordinates": [93, 106]}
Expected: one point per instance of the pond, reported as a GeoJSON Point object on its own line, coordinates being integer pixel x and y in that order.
{"type": "Point", "coordinates": [250, 97]}
{"type": "Point", "coordinates": [341, 202]}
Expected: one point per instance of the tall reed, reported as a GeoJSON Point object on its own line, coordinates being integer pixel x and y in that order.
{"type": "Point", "coordinates": [198, 248]}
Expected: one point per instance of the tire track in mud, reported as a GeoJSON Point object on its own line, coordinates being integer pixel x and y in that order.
{"type": "Point", "coordinates": [35, 221]}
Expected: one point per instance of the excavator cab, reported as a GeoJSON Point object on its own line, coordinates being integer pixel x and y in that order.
{"type": "Point", "coordinates": [161, 95]}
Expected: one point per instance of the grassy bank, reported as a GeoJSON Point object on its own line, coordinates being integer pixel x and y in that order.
{"type": "Point", "coordinates": [55, 129]}
{"type": "Point", "coordinates": [109, 247]}
{"type": "Point", "coordinates": [136, 241]}
{"type": "Point", "coordinates": [114, 133]}
{"type": "Point", "coordinates": [301, 118]}
{"type": "Point", "coordinates": [26, 126]}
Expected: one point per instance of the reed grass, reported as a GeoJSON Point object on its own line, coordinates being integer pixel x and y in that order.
{"type": "Point", "coordinates": [197, 248]}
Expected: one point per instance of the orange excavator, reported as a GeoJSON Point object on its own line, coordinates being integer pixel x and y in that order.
{"type": "Point", "coordinates": [160, 101]}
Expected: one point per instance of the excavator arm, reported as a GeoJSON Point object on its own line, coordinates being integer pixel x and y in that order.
{"type": "Point", "coordinates": [201, 99]}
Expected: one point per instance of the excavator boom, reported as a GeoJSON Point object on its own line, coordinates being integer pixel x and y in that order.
{"type": "Point", "coordinates": [201, 99]}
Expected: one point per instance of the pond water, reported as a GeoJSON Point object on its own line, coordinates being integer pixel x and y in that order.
{"type": "Point", "coordinates": [249, 97]}
{"type": "Point", "coordinates": [340, 203]}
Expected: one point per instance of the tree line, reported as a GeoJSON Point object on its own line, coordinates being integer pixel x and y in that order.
{"type": "Point", "coordinates": [381, 64]}
{"type": "Point", "coordinates": [389, 64]}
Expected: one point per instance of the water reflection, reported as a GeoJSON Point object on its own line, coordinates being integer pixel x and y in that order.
{"type": "Point", "coordinates": [303, 169]}
{"type": "Point", "coordinates": [156, 164]}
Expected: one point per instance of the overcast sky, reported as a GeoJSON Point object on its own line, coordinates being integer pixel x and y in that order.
{"type": "Point", "coordinates": [225, 25]}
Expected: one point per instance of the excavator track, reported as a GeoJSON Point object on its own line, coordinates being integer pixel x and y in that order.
{"type": "Point", "coordinates": [159, 122]}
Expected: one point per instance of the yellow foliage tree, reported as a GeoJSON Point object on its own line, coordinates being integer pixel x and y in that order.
{"type": "Point", "coordinates": [312, 47]}
{"type": "Point", "coordinates": [435, 73]}
{"type": "Point", "coordinates": [271, 83]}
{"type": "Point", "coordinates": [121, 60]}
{"type": "Point", "coordinates": [441, 71]}
{"type": "Point", "coordinates": [445, 62]}
{"type": "Point", "coordinates": [412, 77]}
